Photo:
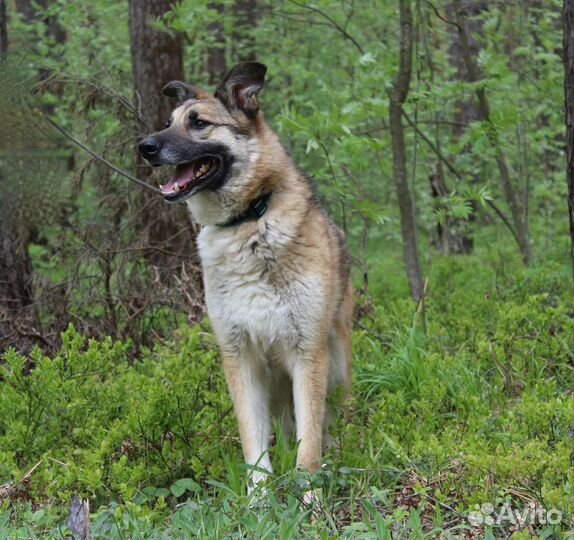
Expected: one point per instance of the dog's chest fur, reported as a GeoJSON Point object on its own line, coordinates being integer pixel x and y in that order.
{"type": "Point", "coordinates": [256, 298]}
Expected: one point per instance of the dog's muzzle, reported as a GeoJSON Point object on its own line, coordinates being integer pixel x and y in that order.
{"type": "Point", "coordinates": [198, 166]}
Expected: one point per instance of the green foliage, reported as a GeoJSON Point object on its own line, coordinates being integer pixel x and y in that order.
{"type": "Point", "coordinates": [331, 66]}
{"type": "Point", "coordinates": [464, 402]}
{"type": "Point", "coordinates": [101, 425]}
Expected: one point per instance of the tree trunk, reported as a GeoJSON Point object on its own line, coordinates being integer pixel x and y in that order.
{"type": "Point", "coordinates": [15, 263]}
{"type": "Point", "coordinates": [512, 197]}
{"type": "Point", "coordinates": [246, 13]}
{"type": "Point", "coordinates": [466, 110]}
{"type": "Point", "coordinates": [157, 58]}
{"type": "Point", "coordinates": [16, 292]}
{"type": "Point", "coordinates": [3, 30]}
{"type": "Point", "coordinates": [216, 65]}
{"type": "Point", "coordinates": [397, 98]}
{"type": "Point", "coordinates": [568, 18]}
{"type": "Point", "coordinates": [29, 11]}
{"type": "Point", "coordinates": [242, 40]}
{"type": "Point", "coordinates": [15, 266]}
{"type": "Point", "coordinates": [442, 239]}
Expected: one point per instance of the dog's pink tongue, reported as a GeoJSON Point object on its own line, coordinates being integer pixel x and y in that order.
{"type": "Point", "coordinates": [184, 175]}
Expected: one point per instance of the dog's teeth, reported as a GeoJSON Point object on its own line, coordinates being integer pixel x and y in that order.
{"type": "Point", "coordinates": [176, 188]}
{"type": "Point", "coordinates": [162, 186]}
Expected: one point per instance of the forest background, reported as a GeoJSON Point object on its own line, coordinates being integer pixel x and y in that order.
{"type": "Point", "coordinates": [435, 134]}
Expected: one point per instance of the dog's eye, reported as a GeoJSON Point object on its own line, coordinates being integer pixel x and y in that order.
{"type": "Point", "coordinates": [167, 124]}
{"type": "Point", "coordinates": [197, 123]}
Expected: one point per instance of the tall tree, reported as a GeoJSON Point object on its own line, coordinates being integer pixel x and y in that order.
{"type": "Point", "coordinates": [568, 18]}
{"type": "Point", "coordinates": [246, 13]}
{"type": "Point", "coordinates": [15, 263]}
{"type": "Point", "coordinates": [466, 112]}
{"type": "Point", "coordinates": [157, 58]}
{"type": "Point", "coordinates": [398, 97]}
{"type": "Point", "coordinates": [16, 293]}
{"type": "Point", "coordinates": [3, 30]}
{"type": "Point", "coordinates": [32, 12]}
{"type": "Point", "coordinates": [242, 40]}
{"type": "Point", "coordinates": [511, 194]}
{"type": "Point", "coordinates": [216, 64]}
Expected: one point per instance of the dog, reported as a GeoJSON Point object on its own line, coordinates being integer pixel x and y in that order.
{"type": "Point", "coordinates": [275, 267]}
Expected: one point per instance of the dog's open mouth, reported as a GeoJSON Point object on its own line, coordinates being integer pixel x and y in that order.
{"type": "Point", "coordinates": [188, 176]}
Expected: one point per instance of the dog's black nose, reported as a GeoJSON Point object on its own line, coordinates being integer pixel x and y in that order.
{"type": "Point", "coordinates": [149, 147]}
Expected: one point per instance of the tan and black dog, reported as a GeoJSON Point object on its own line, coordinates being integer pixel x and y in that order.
{"type": "Point", "coordinates": [276, 269]}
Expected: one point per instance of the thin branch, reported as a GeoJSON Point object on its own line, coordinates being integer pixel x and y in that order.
{"type": "Point", "coordinates": [458, 174]}
{"type": "Point", "coordinates": [432, 146]}
{"type": "Point", "coordinates": [106, 90]}
{"type": "Point", "coordinates": [437, 13]}
{"type": "Point", "coordinates": [127, 175]}
{"type": "Point", "coordinates": [334, 24]}
{"type": "Point", "coordinates": [297, 20]}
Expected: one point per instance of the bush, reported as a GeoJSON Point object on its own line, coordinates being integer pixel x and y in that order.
{"type": "Point", "coordinates": [103, 427]}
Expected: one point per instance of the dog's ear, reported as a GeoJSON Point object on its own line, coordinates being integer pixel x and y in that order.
{"type": "Point", "coordinates": [240, 87]}
{"type": "Point", "coordinates": [180, 91]}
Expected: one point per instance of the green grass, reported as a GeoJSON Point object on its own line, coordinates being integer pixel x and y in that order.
{"type": "Point", "coordinates": [462, 402]}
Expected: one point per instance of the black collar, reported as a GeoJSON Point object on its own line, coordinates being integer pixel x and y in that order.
{"type": "Point", "coordinates": [256, 209]}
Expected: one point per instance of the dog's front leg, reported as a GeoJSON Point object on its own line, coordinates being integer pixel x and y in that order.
{"type": "Point", "coordinates": [249, 388]}
{"type": "Point", "coordinates": [310, 377]}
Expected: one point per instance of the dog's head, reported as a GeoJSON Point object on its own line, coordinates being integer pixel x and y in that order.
{"type": "Point", "coordinates": [207, 137]}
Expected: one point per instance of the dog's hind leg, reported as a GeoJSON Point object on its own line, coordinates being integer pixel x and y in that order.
{"type": "Point", "coordinates": [248, 384]}
{"type": "Point", "coordinates": [282, 402]}
{"type": "Point", "coordinates": [341, 360]}
{"type": "Point", "coordinates": [339, 382]}
{"type": "Point", "coordinates": [310, 380]}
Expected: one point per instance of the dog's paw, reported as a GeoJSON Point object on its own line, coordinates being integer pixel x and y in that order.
{"type": "Point", "coordinates": [312, 497]}
{"type": "Point", "coordinates": [257, 492]}
{"type": "Point", "coordinates": [311, 500]}
{"type": "Point", "coordinates": [256, 481]}
{"type": "Point", "coordinates": [258, 497]}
